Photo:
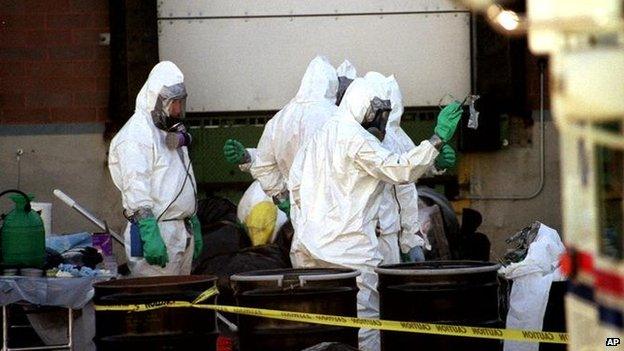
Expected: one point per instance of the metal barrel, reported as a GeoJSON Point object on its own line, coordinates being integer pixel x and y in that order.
{"type": "Point", "coordinates": [323, 291]}
{"type": "Point", "coordinates": [463, 293]}
{"type": "Point", "coordinates": [159, 329]}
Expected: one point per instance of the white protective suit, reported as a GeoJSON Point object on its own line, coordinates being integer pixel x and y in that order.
{"type": "Point", "coordinates": [149, 175]}
{"type": "Point", "coordinates": [398, 211]}
{"type": "Point", "coordinates": [335, 187]}
{"type": "Point", "coordinates": [346, 69]}
{"type": "Point", "coordinates": [293, 125]}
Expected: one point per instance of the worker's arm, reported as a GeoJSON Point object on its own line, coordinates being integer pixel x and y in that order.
{"type": "Point", "coordinates": [264, 166]}
{"type": "Point", "coordinates": [396, 168]}
{"type": "Point", "coordinates": [407, 198]}
{"type": "Point", "coordinates": [135, 165]}
{"type": "Point", "coordinates": [246, 167]}
{"type": "Point", "coordinates": [294, 178]}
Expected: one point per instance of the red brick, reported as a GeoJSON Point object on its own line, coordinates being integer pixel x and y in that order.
{"type": "Point", "coordinates": [71, 53]}
{"type": "Point", "coordinates": [74, 21]}
{"type": "Point", "coordinates": [102, 53]}
{"type": "Point", "coordinates": [21, 22]}
{"type": "Point", "coordinates": [12, 7]}
{"type": "Point", "coordinates": [100, 21]}
{"type": "Point", "coordinates": [86, 37]}
{"type": "Point", "coordinates": [12, 100]}
{"type": "Point", "coordinates": [34, 6]}
{"type": "Point", "coordinates": [102, 114]}
{"type": "Point", "coordinates": [73, 114]}
{"type": "Point", "coordinates": [34, 38]}
{"type": "Point", "coordinates": [51, 38]}
{"type": "Point", "coordinates": [14, 69]}
{"type": "Point", "coordinates": [15, 39]}
{"type": "Point", "coordinates": [48, 99]}
{"type": "Point", "coordinates": [100, 6]}
{"type": "Point", "coordinates": [102, 84]}
{"type": "Point", "coordinates": [101, 68]}
{"type": "Point", "coordinates": [24, 116]}
{"type": "Point", "coordinates": [97, 99]}
{"type": "Point", "coordinates": [64, 69]}
{"type": "Point", "coordinates": [68, 84]}
{"type": "Point", "coordinates": [23, 54]}
{"type": "Point", "coordinates": [17, 85]}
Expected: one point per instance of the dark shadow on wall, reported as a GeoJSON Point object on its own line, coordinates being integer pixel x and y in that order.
{"type": "Point", "coordinates": [134, 51]}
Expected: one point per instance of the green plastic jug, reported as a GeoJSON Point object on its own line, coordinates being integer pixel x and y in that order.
{"type": "Point", "coordinates": [22, 236]}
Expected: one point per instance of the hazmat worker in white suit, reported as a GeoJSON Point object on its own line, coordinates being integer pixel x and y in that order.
{"type": "Point", "coordinates": [335, 187]}
{"type": "Point", "coordinates": [149, 164]}
{"type": "Point", "coordinates": [289, 129]}
{"type": "Point", "coordinates": [398, 210]}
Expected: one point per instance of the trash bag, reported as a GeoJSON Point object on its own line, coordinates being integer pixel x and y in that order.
{"type": "Point", "coordinates": [249, 259]}
{"type": "Point", "coordinates": [215, 209]}
{"type": "Point", "coordinates": [222, 239]}
{"type": "Point", "coordinates": [52, 259]}
{"type": "Point", "coordinates": [82, 257]}
{"type": "Point", "coordinates": [227, 262]}
{"type": "Point", "coordinates": [227, 249]}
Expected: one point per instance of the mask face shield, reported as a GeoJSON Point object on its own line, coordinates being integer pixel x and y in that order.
{"type": "Point", "coordinates": [343, 84]}
{"type": "Point", "coordinates": [170, 106]}
{"type": "Point", "coordinates": [376, 117]}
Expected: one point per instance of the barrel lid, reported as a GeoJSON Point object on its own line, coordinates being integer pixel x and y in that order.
{"type": "Point", "coordinates": [303, 275]}
{"type": "Point", "coordinates": [438, 268]}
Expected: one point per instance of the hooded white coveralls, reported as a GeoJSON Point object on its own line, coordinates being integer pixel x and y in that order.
{"type": "Point", "coordinates": [150, 175]}
{"type": "Point", "coordinates": [398, 210]}
{"type": "Point", "coordinates": [335, 187]}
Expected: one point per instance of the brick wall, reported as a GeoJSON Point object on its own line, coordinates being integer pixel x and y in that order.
{"type": "Point", "coordinates": [52, 68]}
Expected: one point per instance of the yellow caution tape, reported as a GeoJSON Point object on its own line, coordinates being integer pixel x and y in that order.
{"type": "Point", "coordinates": [206, 295]}
{"type": "Point", "coordinates": [354, 322]}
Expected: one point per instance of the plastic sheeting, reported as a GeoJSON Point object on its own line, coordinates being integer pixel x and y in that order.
{"type": "Point", "coordinates": [62, 243]}
{"type": "Point", "coordinates": [75, 293]}
{"type": "Point", "coordinates": [63, 292]}
{"type": "Point", "coordinates": [532, 279]}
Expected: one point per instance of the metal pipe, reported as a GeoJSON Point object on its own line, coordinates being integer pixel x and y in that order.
{"type": "Point", "coordinates": [72, 203]}
{"type": "Point", "coordinates": [233, 327]}
{"type": "Point", "coordinates": [70, 329]}
{"type": "Point", "coordinates": [5, 328]}
{"type": "Point", "coordinates": [542, 181]}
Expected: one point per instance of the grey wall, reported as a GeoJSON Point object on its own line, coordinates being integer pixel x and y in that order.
{"type": "Point", "coordinates": [71, 158]}
{"type": "Point", "coordinates": [515, 171]}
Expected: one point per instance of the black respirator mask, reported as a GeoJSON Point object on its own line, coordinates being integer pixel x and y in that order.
{"type": "Point", "coordinates": [161, 113]}
{"type": "Point", "coordinates": [376, 117]}
{"type": "Point", "coordinates": [343, 84]}
{"type": "Point", "coordinates": [177, 136]}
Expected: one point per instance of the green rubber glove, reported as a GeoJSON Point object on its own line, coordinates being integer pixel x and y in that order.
{"type": "Point", "coordinates": [446, 158]}
{"type": "Point", "coordinates": [197, 236]}
{"type": "Point", "coordinates": [234, 151]}
{"type": "Point", "coordinates": [448, 119]}
{"type": "Point", "coordinates": [284, 206]}
{"type": "Point", "coordinates": [154, 249]}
